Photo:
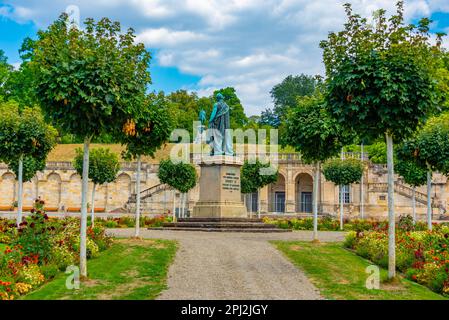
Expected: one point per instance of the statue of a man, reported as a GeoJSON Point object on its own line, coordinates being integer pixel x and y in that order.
{"type": "Point", "coordinates": [218, 137]}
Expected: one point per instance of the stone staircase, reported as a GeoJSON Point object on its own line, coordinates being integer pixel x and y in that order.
{"type": "Point", "coordinates": [145, 194]}
{"type": "Point", "coordinates": [221, 225]}
{"type": "Point", "coordinates": [405, 191]}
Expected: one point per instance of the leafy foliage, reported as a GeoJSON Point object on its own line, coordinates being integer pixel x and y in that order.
{"type": "Point", "coordinates": [406, 166]}
{"type": "Point", "coordinates": [24, 134]}
{"type": "Point", "coordinates": [311, 131]}
{"type": "Point", "coordinates": [252, 178]}
{"type": "Point", "coordinates": [430, 147]}
{"type": "Point", "coordinates": [30, 167]}
{"type": "Point", "coordinates": [5, 70]}
{"type": "Point", "coordinates": [180, 176]}
{"type": "Point", "coordinates": [284, 94]}
{"type": "Point", "coordinates": [377, 152]}
{"type": "Point", "coordinates": [343, 172]}
{"type": "Point", "coordinates": [380, 74]}
{"type": "Point", "coordinates": [103, 165]}
{"type": "Point", "coordinates": [92, 80]}
{"type": "Point", "coordinates": [152, 128]}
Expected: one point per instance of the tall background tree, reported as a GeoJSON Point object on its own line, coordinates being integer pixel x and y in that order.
{"type": "Point", "coordinates": [5, 71]}
{"type": "Point", "coordinates": [379, 82]}
{"type": "Point", "coordinates": [317, 136]}
{"type": "Point", "coordinates": [343, 173]}
{"type": "Point", "coordinates": [103, 168]}
{"type": "Point", "coordinates": [24, 138]}
{"type": "Point", "coordinates": [152, 130]}
{"type": "Point", "coordinates": [89, 82]}
{"type": "Point", "coordinates": [180, 176]}
{"type": "Point", "coordinates": [284, 96]}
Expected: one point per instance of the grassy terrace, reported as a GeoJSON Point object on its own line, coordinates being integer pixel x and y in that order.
{"type": "Point", "coordinates": [66, 152]}
{"type": "Point", "coordinates": [339, 274]}
{"type": "Point", "coordinates": [130, 269]}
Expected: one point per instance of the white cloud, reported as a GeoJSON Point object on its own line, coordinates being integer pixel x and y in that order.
{"type": "Point", "coordinates": [162, 37]}
{"type": "Point", "coordinates": [248, 44]}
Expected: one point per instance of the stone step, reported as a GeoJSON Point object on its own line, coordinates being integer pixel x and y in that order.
{"type": "Point", "coordinates": [254, 225]}
{"type": "Point", "coordinates": [259, 230]}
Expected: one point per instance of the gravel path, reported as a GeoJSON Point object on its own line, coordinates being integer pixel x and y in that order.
{"type": "Point", "coordinates": [215, 265]}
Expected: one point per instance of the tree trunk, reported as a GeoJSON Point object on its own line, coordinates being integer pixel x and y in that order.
{"type": "Point", "coordinates": [137, 226]}
{"type": "Point", "coordinates": [84, 188]}
{"type": "Point", "coordinates": [251, 204]}
{"type": "Point", "coordinates": [315, 201]}
{"type": "Point", "coordinates": [391, 214]}
{"type": "Point", "coordinates": [92, 217]}
{"type": "Point", "coordinates": [341, 207]}
{"type": "Point", "coordinates": [258, 203]}
{"type": "Point", "coordinates": [20, 193]}
{"type": "Point", "coordinates": [183, 201]}
{"type": "Point", "coordinates": [414, 204]}
{"type": "Point", "coordinates": [429, 199]}
{"type": "Point", "coordinates": [362, 197]}
{"type": "Point", "coordinates": [174, 205]}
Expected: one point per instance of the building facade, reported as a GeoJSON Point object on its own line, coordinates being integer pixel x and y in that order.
{"type": "Point", "coordinates": [60, 186]}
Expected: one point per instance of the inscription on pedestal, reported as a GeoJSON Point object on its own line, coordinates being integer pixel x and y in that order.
{"type": "Point", "coordinates": [231, 182]}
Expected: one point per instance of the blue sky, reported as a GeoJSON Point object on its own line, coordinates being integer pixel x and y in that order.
{"type": "Point", "coordinates": [202, 45]}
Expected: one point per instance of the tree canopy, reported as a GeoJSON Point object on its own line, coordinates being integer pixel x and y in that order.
{"type": "Point", "coordinates": [103, 165]}
{"type": "Point", "coordinates": [343, 172]}
{"type": "Point", "coordinates": [24, 133]}
{"type": "Point", "coordinates": [252, 178]}
{"type": "Point", "coordinates": [284, 95]}
{"type": "Point", "coordinates": [379, 75]}
{"type": "Point", "coordinates": [311, 131]}
{"type": "Point", "coordinates": [429, 148]}
{"type": "Point", "coordinates": [180, 176]}
{"type": "Point", "coordinates": [92, 80]}
{"type": "Point", "coordinates": [152, 129]}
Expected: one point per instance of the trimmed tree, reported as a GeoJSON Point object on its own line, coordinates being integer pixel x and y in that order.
{"type": "Point", "coordinates": [317, 136]}
{"type": "Point", "coordinates": [89, 82]}
{"type": "Point", "coordinates": [429, 149]}
{"type": "Point", "coordinates": [379, 82]}
{"type": "Point", "coordinates": [412, 173]}
{"type": "Point", "coordinates": [343, 173]}
{"type": "Point", "coordinates": [25, 140]}
{"type": "Point", "coordinates": [180, 176]}
{"type": "Point", "coordinates": [152, 130]}
{"type": "Point", "coordinates": [103, 168]}
{"type": "Point", "coordinates": [255, 176]}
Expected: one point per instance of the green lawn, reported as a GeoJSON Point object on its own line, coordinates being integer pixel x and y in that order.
{"type": "Point", "coordinates": [130, 269]}
{"type": "Point", "coordinates": [340, 274]}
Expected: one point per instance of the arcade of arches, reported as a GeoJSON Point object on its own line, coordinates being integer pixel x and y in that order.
{"type": "Point", "coordinates": [60, 186]}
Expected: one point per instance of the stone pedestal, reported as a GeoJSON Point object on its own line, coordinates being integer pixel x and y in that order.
{"type": "Point", "coordinates": [220, 195]}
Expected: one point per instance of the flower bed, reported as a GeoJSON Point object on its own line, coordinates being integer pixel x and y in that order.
{"type": "Point", "coordinates": [40, 248]}
{"type": "Point", "coordinates": [130, 222]}
{"type": "Point", "coordinates": [330, 224]}
{"type": "Point", "coordinates": [423, 256]}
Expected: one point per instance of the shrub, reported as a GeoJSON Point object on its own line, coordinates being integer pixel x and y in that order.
{"type": "Point", "coordinates": [350, 239]}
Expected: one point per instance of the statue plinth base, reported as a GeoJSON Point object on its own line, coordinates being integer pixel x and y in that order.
{"type": "Point", "coordinates": [220, 195]}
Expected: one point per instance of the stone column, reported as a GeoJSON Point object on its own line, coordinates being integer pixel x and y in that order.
{"type": "Point", "coordinates": [264, 199]}
{"type": "Point", "coordinates": [289, 192]}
